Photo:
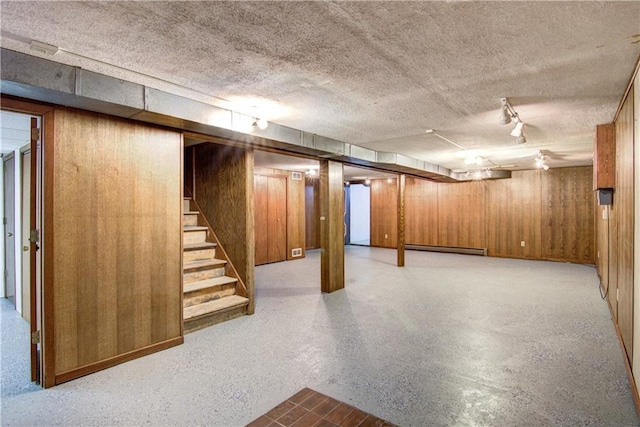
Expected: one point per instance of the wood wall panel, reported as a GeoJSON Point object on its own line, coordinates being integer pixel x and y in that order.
{"type": "Point", "coordinates": [295, 219]}
{"type": "Point", "coordinates": [567, 233]}
{"type": "Point", "coordinates": [624, 206]}
{"type": "Point", "coordinates": [224, 191]}
{"type": "Point", "coordinates": [117, 260]}
{"type": "Point", "coordinates": [421, 212]}
{"type": "Point", "coordinates": [261, 195]}
{"type": "Point", "coordinates": [461, 214]}
{"type": "Point", "coordinates": [277, 219]}
{"type": "Point", "coordinates": [604, 158]}
{"type": "Point", "coordinates": [312, 213]}
{"type": "Point", "coordinates": [551, 211]}
{"type": "Point", "coordinates": [384, 213]}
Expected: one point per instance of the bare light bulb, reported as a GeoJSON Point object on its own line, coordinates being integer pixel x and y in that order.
{"type": "Point", "coordinates": [262, 124]}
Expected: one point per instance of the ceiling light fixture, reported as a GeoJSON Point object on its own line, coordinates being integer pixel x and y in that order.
{"type": "Point", "coordinates": [541, 161]}
{"type": "Point", "coordinates": [311, 172]}
{"type": "Point", "coordinates": [474, 160]}
{"type": "Point", "coordinates": [507, 114]}
{"type": "Point", "coordinates": [367, 181]}
{"type": "Point", "coordinates": [261, 124]}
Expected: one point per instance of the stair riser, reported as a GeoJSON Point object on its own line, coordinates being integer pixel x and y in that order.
{"type": "Point", "coordinates": [186, 205]}
{"type": "Point", "coordinates": [189, 219]}
{"type": "Point", "coordinates": [194, 236]}
{"type": "Point", "coordinates": [202, 322]}
{"type": "Point", "coordinates": [199, 254]}
{"type": "Point", "coordinates": [194, 276]}
{"type": "Point", "coordinates": [208, 294]}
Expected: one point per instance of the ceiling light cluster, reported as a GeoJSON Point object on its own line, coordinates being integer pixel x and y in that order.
{"type": "Point", "coordinates": [479, 174]}
{"type": "Point", "coordinates": [473, 160]}
{"type": "Point", "coordinates": [541, 161]}
{"type": "Point", "coordinates": [507, 115]}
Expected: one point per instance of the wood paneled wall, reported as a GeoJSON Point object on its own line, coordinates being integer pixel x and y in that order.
{"type": "Point", "coordinates": [224, 191]}
{"type": "Point", "coordinates": [384, 213]}
{"type": "Point", "coordinates": [312, 213]}
{"type": "Point", "coordinates": [116, 192]}
{"type": "Point", "coordinates": [270, 194]}
{"type": "Point", "coordinates": [296, 210]}
{"type": "Point", "coordinates": [551, 211]}
{"type": "Point", "coordinates": [622, 213]}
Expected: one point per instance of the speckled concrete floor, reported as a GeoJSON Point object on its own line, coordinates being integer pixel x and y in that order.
{"type": "Point", "coordinates": [447, 340]}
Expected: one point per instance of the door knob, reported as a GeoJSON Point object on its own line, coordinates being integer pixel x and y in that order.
{"type": "Point", "coordinates": [9, 234]}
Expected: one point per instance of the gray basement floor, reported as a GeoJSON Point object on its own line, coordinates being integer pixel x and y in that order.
{"type": "Point", "coordinates": [447, 340]}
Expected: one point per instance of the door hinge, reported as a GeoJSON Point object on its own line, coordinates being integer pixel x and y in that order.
{"type": "Point", "coordinates": [35, 236]}
{"type": "Point", "coordinates": [35, 134]}
{"type": "Point", "coordinates": [4, 220]}
{"type": "Point", "coordinates": [35, 337]}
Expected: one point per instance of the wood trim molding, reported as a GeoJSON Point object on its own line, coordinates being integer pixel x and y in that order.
{"type": "Point", "coordinates": [116, 360]}
{"type": "Point", "coordinates": [22, 106]}
{"type": "Point", "coordinates": [632, 382]}
{"type": "Point", "coordinates": [627, 90]}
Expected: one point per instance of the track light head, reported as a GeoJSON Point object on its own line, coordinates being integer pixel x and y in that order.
{"type": "Point", "coordinates": [517, 131]}
{"type": "Point", "coordinates": [505, 117]}
{"type": "Point", "coordinates": [521, 139]}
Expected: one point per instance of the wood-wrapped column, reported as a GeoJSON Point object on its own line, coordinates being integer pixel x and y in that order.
{"type": "Point", "coordinates": [331, 226]}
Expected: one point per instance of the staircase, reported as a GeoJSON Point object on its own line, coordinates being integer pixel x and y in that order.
{"type": "Point", "coordinates": [210, 296]}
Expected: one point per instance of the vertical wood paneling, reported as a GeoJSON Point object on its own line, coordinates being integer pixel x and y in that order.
{"type": "Point", "coordinates": [224, 191]}
{"type": "Point", "coordinates": [604, 158]}
{"type": "Point", "coordinates": [421, 212]}
{"type": "Point", "coordinates": [461, 214]}
{"type": "Point", "coordinates": [117, 217]}
{"type": "Point", "coordinates": [331, 226]}
{"type": "Point", "coordinates": [276, 219]}
{"type": "Point", "coordinates": [384, 213]}
{"type": "Point", "coordinates": [568, 215]}
{"type": "Point", "coordinates": [624, 202]}
{"type": "Point", "coordinates": [294, 219]}
{"type": "Point", "coordinates": [261, 195]}
{"type": "Point", "coordinates": [312, 213]}
{"type": "Point", "coordinates": [550, 211]}
{"type": "Point", "coordinates": [295, 216]}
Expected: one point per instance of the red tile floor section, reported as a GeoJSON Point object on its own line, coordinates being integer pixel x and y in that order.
{"type": "Point", "coordinates": [308, 408]}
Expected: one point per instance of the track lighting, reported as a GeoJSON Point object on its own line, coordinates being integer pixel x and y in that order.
{"type": "Point", "coordinates": [507, 114]}
{"type": "Point", "coordinates": [517, 131]}
{"type": "Point", "coordinates": [367, 182]}
{"type": "Point", "coordinates": [261, 124]}
{"type": "Point", "coordinates": [541, 161]}
{"type": "Point", "coordinates": [311, 172]}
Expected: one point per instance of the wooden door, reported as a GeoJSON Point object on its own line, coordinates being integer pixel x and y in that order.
{"type": "Point", "coordinates": [9, 229]}
{"type": "Point", "coordinates": [277, 219]}
{"type": "Point", "coordinates": [261, 219]}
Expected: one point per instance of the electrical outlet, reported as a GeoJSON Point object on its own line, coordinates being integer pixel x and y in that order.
{"type": "Point", "coordinates": [386, 236]}
{"type": "Point", "coordinates": [522, 243]}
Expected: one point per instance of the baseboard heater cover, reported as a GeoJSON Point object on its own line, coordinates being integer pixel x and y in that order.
{"type": "Point", "coordinates": [447, 249]}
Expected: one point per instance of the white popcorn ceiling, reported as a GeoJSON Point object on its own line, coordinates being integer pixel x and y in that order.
{"type": "Point", "coordinates": [374, 74]}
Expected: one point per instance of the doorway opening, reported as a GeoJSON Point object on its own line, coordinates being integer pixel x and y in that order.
{"type": "Point", "coordinates": [20, 290]}
{"type": "Point", "coordinates": [359, 224]}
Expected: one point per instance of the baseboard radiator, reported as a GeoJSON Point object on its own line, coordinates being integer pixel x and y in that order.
{"type": "Point", "coordinates": [447, 249]}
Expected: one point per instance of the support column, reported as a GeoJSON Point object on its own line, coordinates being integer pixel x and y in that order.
{"type": "Point", "coordinates": [401, 185]}
{"type": "Point", "coordinates": [331, 226]}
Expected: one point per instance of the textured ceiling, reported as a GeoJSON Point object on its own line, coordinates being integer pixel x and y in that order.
{"type": "Point", "coordinates": [375, 74]}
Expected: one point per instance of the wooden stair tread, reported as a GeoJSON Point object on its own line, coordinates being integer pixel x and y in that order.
{"type": "Point", "coordinates": [194, 228]}
{"type": "Point", "coordinates": [209, 283]}
{"type": "Point", "coordinates": [213, 306]}
{"type": "Point", "coordinates": [211, 262]}
{"type": "Point", "coordinates": [198, 245]}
